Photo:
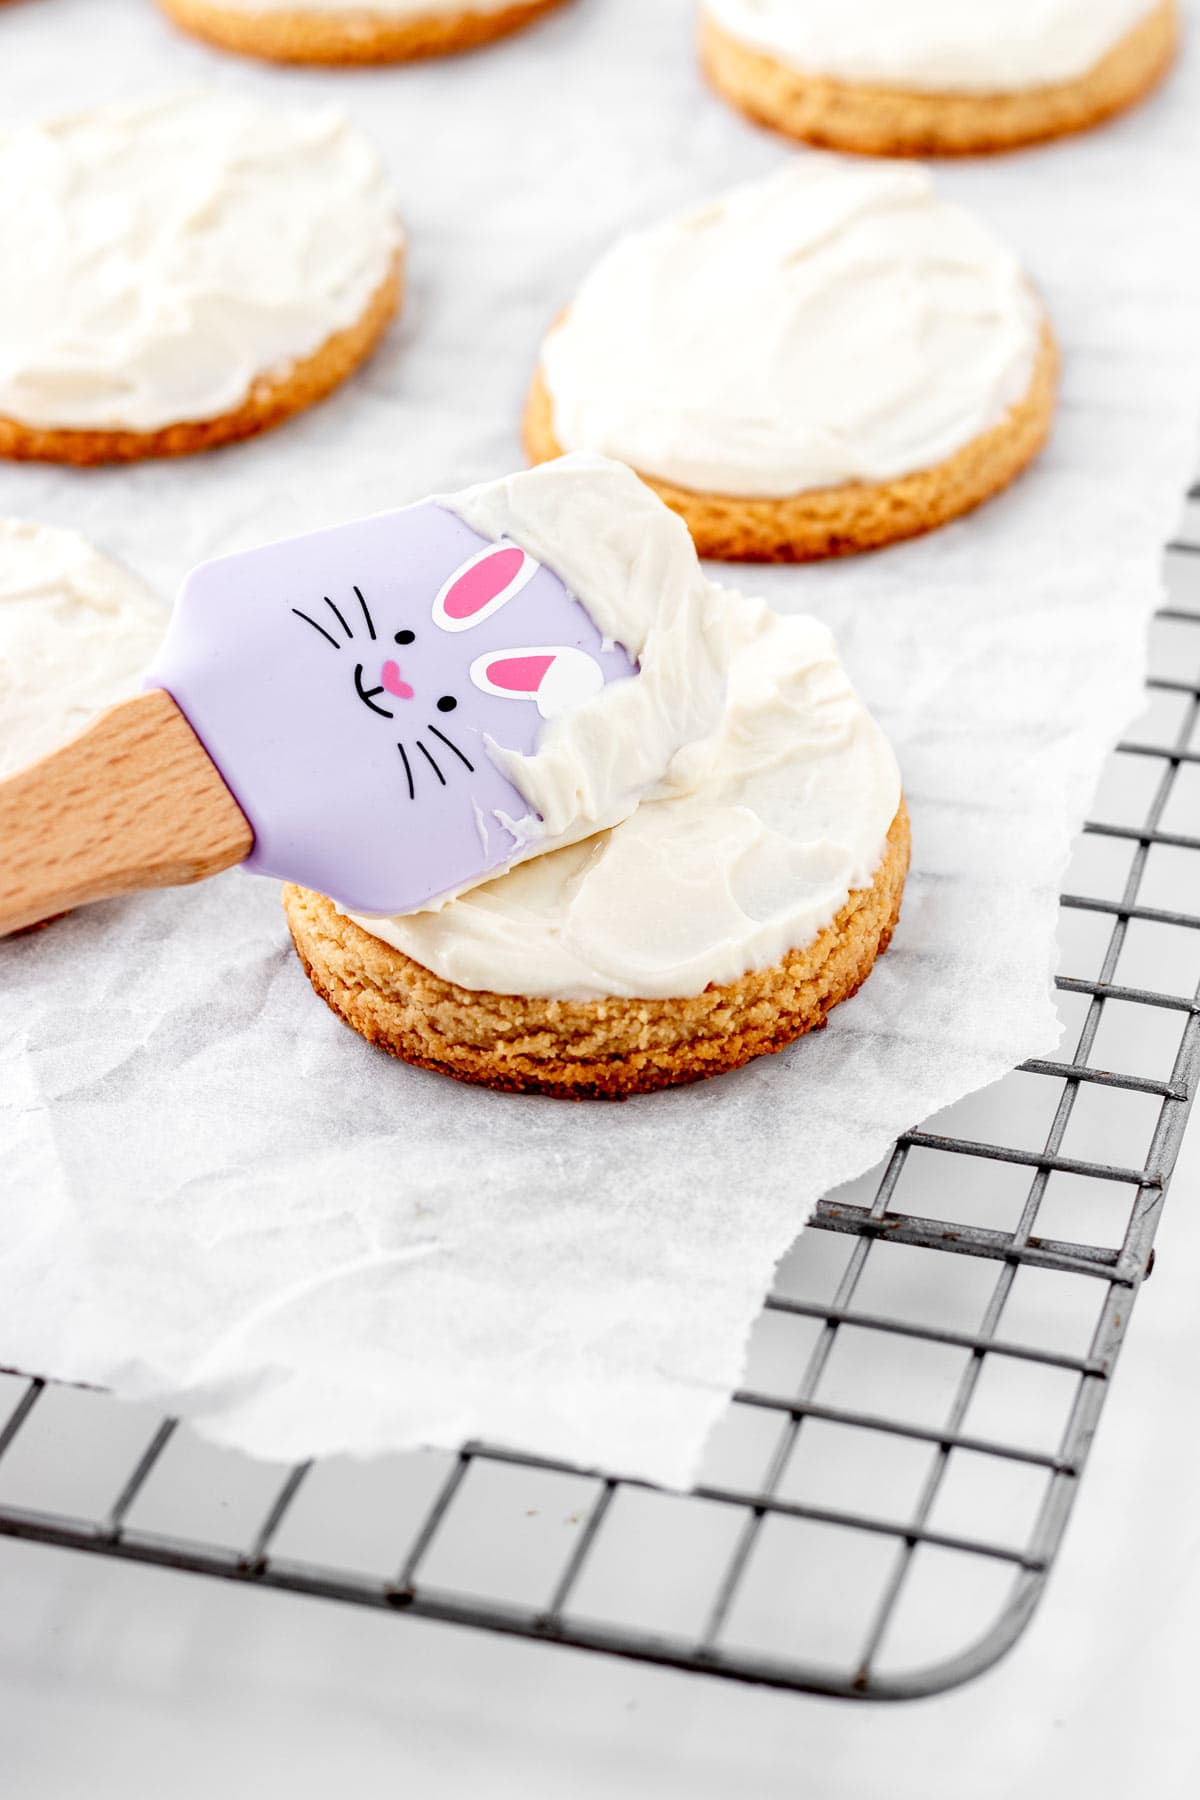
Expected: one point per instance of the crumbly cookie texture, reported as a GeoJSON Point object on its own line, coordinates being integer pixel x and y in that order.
{"type": "Point", "coordinates": [838, 521]}
{"type": "Point", "coordinates": [878, 121]}
{"type": "Point", "coordinates": [593, 1049]}
{"type": "Point", "coordinates": [311, 36]}
{"type": "Point", "coordinates": [273, 398]}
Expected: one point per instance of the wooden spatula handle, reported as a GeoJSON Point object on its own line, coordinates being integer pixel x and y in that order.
{"type": "Point", "coordinates": [134, 801]}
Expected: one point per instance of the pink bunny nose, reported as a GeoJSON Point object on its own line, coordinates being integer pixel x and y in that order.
{"type": "Point", "coordinates": [394, 682]}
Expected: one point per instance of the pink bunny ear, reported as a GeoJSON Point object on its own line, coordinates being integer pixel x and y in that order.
{"type": "Point", "coordinates": [557, 677]}
{"type": "Point", "coordinates": [518, 674]}
{"type": "Point", "coordinates": [482, 585]}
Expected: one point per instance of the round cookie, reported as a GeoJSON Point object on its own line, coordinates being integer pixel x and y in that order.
{"type": "Point", "coordinates": [748, 892]}
{"type": "Point", "coordinates": [352, 31]}
{"type": "Point", "coordinates": [840, 521]}
{"type": "Point", "coordinates": [932, 79]}
{"type": "Point", "coordinates": [593, 1049]}
{"type": "Point", "coordinates": [76, 632]}
{"type": "Point", "coordinates": [194, 270]}
{"type": "Point", "coordinates": [823, 362]}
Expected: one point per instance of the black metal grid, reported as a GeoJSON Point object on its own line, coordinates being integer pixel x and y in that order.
{"type": "Point", "coordinates": [846, 1311]}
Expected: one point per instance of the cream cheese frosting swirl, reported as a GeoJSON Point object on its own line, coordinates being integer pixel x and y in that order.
{"type": "Point", "coordinates": [632, 563]}
{"type": "Point", "coordinates": [762, 826]}
{"type": "Point", "coordinates": [76, 632]}
{"type": "Point", "coordinates": [163, 255]}
{"type": "Point", "coordinates": [837, 321]}
{"type": "Point", "coordinates": [934, 46]}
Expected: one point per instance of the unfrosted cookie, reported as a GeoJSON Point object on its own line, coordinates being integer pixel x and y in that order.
{"type": "Point", "coordinates": [721, 919]}
{"type": "Point", "coordinates": [934, 77]}
{"type": "Point", "coordinates": [820, 362]}
{"type": "Point", "coordinates": [184, 272]}
{"type": "Point", "coordinates": [352, 31]}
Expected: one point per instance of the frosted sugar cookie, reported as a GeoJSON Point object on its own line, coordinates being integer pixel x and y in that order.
{"type": "Point", "coordinates": [823, 361]}
{"type": "Point", "coordinates": [934, 77]}
{"type": "Point", "coordinates": [76, 631]}
{"type": "Point", "coordinates": [184, 272]}
{"type": "Point", "coordinates": [353, 31]}
{"type": "Point", "coordinates": [748, 893]}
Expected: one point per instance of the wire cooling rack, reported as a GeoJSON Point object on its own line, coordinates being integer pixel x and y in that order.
{"type": "Point", "coordinates": [885, 1498]}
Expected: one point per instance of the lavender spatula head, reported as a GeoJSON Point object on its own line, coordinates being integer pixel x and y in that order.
{"type": "Point", "coordinates": [346, 685]}
{"type": "Point", "coordinates": [349, 687]}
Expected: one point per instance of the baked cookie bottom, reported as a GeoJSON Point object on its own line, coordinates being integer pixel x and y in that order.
{"type": "Point", "coordinates": [592, 1049]}
{"type": "Point", "coordinates": [272, 399]}
{"type": "Point", "coordinates": [878, 121]}
{"type": "Point", "coordinates": [365, 36]}
{"type": "Point", "coordinates": [838, 521]}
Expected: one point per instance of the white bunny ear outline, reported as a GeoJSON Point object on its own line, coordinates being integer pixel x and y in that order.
{"type": "Point", "coordinates": [525, 573]}
{"type": "Point", "coordinates": [572, 679]}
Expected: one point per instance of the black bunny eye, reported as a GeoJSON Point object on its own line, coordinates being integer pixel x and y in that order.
{"type": "Point", "coordinates": [405, 637]}
{"type": "Point", "coordinates": [447, 703]}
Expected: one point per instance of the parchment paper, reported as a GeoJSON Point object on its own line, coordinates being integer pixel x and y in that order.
{"type": "Point", "coordinates": [214, 1194]}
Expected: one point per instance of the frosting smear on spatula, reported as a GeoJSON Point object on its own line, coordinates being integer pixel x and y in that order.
{"type": "Point", "coordinates": [408, 705]}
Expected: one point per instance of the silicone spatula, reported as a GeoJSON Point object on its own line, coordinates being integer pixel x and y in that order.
{"type": "Point", "coordinates": [322, 710]}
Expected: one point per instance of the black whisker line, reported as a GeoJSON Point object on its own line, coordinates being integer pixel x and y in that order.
{"type": "Point", "coordinates": [407, 770]}
{"type": "Point", "coordinates": [366, 613]}
{"type": "Point", "coordinates": [430, 761]}
{"type": "Point", "coordinates": [337, 615]}
{"type": "Point", "coordinates": [325, 634]}
{"type": "Point", "coordinates": [454, 747]}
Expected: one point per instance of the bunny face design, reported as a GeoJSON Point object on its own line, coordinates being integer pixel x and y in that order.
{"type": "Point", "coordinates": [554, 679]}
{"type": "Point", "coordinates": [412, 649]}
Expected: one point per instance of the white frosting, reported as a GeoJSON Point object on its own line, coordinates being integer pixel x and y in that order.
{"type": "Point", "coordinates": [763, 826]}
{"type": "Point", "coordinates": [835, 322]}
{"type": "Point", "coordinates": [934, 46]}
{"type": "Point", "coordinates": [633, 565]}
{"type": "Point", "coordinates": [163, 255]}
{"type": "Point", "coordinates": [76, 632]}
